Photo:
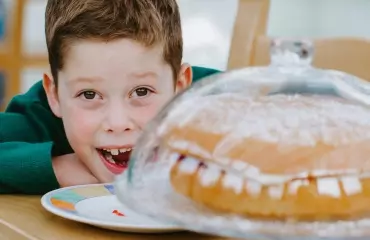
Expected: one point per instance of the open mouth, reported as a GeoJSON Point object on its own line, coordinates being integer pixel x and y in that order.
{"type": "Point", "coordinates": [116, 160]}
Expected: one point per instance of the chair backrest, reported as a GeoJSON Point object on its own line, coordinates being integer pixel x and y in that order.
{"type": "Point", "coordinates": [12, 57]}
{"type": "Point", "coordinates": [250, 22]}
{"type": "Point", "coordinates": [351, 55]}
{"type": "Point", "coordinates": [250, 44]}
{"type": "Point", "coordinates": [11, 48]}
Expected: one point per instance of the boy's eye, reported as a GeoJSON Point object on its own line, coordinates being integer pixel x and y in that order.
{"type": "Point", "coordinates": [89, 95]}
{"type": "Point", "coordinates": [141, 92]}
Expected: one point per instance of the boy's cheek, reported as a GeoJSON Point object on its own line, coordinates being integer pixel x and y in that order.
{"type": "Point", "coordinates": [80, 122]}
{"type": "Point", "coordinates": [144, 115]}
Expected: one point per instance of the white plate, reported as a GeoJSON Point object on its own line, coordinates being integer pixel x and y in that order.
{"type": "Point", "coordinates": [97, 205]}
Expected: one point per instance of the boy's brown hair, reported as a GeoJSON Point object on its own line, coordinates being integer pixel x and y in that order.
{"type": "Point", "coordinates": [149, 22]}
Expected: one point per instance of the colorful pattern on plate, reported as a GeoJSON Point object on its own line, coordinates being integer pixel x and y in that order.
{"type": "Point", "coordinates": [66, 200]}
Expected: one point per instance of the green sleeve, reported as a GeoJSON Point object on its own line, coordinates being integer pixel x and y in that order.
{"type": "Point", "coordinates": [200, 72]}
{"type": "Point", "coordinates": [30, 136]}
{"type": "Point", "coordinates": [26, 168]}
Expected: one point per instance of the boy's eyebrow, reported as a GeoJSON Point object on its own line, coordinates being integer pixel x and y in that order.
{"type": "Point", "coordinates": [91, 80]}
{"type": "Point", "coordinates": [145, 74]}
{"type": "Point", "coordinates": [84, 79]}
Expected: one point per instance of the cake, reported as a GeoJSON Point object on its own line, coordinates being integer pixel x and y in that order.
{"type": "Point", "coordinates": [304, 157]}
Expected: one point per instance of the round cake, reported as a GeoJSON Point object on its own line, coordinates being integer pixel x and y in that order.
{"type": "Point", "coordinates": [276, 156]}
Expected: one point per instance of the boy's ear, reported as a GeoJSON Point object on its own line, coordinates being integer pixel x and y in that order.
{"type": "Point", "coordinates": [185, 78]}
{"type": "Point", "coordinates": [52, 94]}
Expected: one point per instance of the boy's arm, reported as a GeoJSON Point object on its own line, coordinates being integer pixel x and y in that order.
{"type": "Point", "coordinates": [26, 168]}
{"type": "Point", "coordinates": [26, 149]}
{"type": "Point", "coordinates": [29, 168]}
{"type": "Point", "coordinates": [28, 160]}
{"type": "Point", "coordinates": [30, 136]}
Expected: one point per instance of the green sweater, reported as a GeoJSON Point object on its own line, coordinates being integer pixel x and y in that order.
{"type": "Point", "coordinates": [30, 135]}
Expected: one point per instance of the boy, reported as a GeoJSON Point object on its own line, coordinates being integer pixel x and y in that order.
{"type": "Point", "coordinates": [114, 64]}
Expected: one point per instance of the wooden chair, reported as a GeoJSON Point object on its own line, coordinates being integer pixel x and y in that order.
{"type": "Point", "coordinates": [250, 45]}
{"type": "Point", "coordinates": [351, 55]}
{"type": "Point", "coordinates": [250, 22]}
{"type": "Point", "coordinates": [12, 58]}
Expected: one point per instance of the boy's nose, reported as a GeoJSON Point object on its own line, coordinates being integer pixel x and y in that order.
{"type": "Point", "coordinates": [118, 120]}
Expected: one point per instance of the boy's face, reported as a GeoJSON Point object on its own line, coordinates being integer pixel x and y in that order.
{"type": "Point", "coordinates": [107, 92]}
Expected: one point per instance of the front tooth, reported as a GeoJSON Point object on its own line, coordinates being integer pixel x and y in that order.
{"type": "Point", "coordinates": [114, 151]}
{"type": "Point", "coordinates": [276, 191]}
{"type": "Point", "coordinates": [351, 185]}
{"type": "Point", "coordinates": [234, 182]}
{"type": "Point", "coordinates": [209, 176]}
{"type": "Point", "coordinates": [123, 150]}
{"type": "Point", "coordinates": [189, 165]}
{"type": "Point", "coordinates": [329, 186]}
{"type": "Point", "coordinates": [253, 188]}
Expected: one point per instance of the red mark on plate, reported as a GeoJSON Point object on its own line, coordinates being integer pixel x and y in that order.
{"type": "Point", "coordinates": [117, 213]}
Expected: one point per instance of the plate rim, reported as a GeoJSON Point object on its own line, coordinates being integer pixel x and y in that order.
{"type": "Point", "coordinates": [45, 202]}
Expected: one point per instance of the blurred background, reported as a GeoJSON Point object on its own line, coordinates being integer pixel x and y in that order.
{"type": "Point", "coordinates": [222, 34]}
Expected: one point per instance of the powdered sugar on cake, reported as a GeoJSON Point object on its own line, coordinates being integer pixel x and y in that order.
{"type": "Point", "coordinates": [286, 119]}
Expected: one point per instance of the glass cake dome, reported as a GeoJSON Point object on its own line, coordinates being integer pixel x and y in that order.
{"type": "Point", "coordinates": [223, 156]}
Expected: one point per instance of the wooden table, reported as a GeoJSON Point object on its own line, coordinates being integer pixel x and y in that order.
{"type": "Point", "coordinates": [23, 218]}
